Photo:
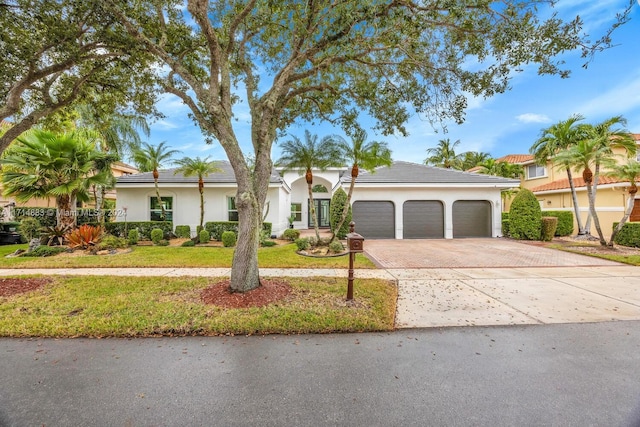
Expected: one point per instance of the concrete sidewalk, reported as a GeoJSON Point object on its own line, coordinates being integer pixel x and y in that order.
{"type": "Point", "coordinates": [440, 297]}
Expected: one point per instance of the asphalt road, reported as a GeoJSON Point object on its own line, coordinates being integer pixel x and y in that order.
{"type": "Point", "coordinates": [542, 375]}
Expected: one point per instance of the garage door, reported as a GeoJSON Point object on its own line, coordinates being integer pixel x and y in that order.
{"type": "Point", "coordinates": [471, 218]}
{"type": "Point", "coordinates": [423, 219]}
{"type": "Point", "coordinates": [375, 219]}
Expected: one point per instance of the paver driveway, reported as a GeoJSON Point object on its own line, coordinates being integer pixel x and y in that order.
{"type": "Point", "coordinates": [470, 253]}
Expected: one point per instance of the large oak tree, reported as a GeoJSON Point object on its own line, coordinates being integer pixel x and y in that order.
{"type": "Point", "coordinates": [55, 53]}
{"type": "Point", "coordinates": [331, 60]}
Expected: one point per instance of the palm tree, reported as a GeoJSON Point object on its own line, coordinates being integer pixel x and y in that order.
{"type": "Point", "coordinates": [308, 155]}
{"type": "Point", "coordinates": [361, 154]}
{"type": "Point", "coordinates": [556, 138]}
{"type": "Point", "coordinates": [609, 139]}
{"type": "Point", "coordinates": [200, 168]}
{"type": "Point", "coordinates": [117, 133]}
{"type": "Point", "coordinates": [43, 164]}
{"type": "Point", "coordinates": [583, 157]}
{"type": "Point", "coordinates": [471, 159]}
{"type": "Point", "coordinates": [444, 155]}
{"type": "Point", "coordinates": [149, 158]}
{"type": "Point", "coordinates": [627, 172]}
{"type": "Point", "coordinates": [502, 169]}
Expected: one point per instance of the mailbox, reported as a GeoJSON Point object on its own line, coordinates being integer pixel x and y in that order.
{"type": "Point", "coordinates": [355, 242]}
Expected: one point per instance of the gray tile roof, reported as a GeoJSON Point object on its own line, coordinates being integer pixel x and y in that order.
{"type": "Point", "coordinates": [412, 173]}
{"type": "Point", "coordinates": [167, 176]}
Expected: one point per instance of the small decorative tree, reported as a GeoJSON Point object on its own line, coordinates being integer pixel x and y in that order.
{"type": "Point", "coordinates": [525, 216]}
{"type": "Point", "coordinates": [338, 202]}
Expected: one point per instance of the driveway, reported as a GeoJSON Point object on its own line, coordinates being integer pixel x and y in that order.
{"type": "Point", "coordinates": [471, 253]}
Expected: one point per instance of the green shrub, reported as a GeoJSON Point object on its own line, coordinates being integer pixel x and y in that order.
{"type": "Point", "coordinates": [183, 231]}
{"type": "Point", "coordinates": [336, 247]}
{"type": "Point", "coordinates": [204, 236]}
{"type": "Point", "coordinates": [216, 228]}
{"type": "Point", "coordinates": [163, 242]}
{"type": "Point", "coordinates": [302, 244]}
{"type": "Point", "coordinates": [133, 236]}
{"type": "Point", "coordinates": [156, 235]}
{"type": "Point", "coordinates": [30, 228]}
{"type": "Point", "coordinates": [144, 228]}
{"type": "Point", "coordinates": [43, 251]}
{"type": "Point", "coordinates": [548, 227]}
{"type": "Point", "coordinates": [188, 244]}
{"type": "Point", "coordinates": [229, 239]}
{"type": "Point", "coordinates": [268, 243]}
{"type": "Point", "coordinates": [565, 222]}
{"type": "Point", "coordinates": [291, 234]}
{"type": "Point", "coordinates": [505, 224]}
{"type": "Point", "coordinates": [338, 201]}
{"type": "Point", "coordinates": [112, 242]}
{"type": "Point", "coordinates": [525, 216]}
{"type": "Point", "coordinates": [629, 235]}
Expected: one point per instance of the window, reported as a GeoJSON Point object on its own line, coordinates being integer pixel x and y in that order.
{"type": "Point", "coordinates": [156, 209]}
{"type": "Point", "coordinates": [319, 188]}
{"type": "Point", "coordinates": [535, 171]}
{"type": "Point", "coordinates": [296, 210]}
{"type": "Point", "coordinates": [231, 207]}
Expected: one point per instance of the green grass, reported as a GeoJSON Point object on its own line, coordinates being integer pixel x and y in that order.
{"type": "Point", "coordinates": [136, 307]}
{"type": "Point", "coordinates": [625, 259]}
{"type": "Point", "coordinates": [282, 256]}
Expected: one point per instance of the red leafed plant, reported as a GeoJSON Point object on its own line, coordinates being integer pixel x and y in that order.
{"type": "Point", "coordinates": [84, 236]}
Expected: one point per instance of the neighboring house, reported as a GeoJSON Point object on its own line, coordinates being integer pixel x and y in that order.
{"type": "Point", "coordinates": [551, 187]}
{"type": "Point", "coordinates": [403, 201]}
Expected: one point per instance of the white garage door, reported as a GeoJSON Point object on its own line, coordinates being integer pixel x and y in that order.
{"type": "Point", "coordinates": [375, 219]}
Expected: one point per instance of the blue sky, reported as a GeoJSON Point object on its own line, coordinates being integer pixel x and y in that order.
{"type": "Point", "coordinates": [508, 123]}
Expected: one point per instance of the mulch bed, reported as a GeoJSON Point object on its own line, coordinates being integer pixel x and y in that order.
{"type": "Point", "coordinates": [270, 290]}
{"type": "Point", "coordinates": [13, 286]}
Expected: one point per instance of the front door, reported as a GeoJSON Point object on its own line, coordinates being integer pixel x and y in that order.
{"type": "Point", "coordinates": [322, 212]}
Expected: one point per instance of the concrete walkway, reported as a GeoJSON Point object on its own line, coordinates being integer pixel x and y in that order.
{"type": "Point", "coordinates": [440, 297]}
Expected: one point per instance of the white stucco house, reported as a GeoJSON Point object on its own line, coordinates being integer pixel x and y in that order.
{"type": "Point", "coordinates": [404, 201]}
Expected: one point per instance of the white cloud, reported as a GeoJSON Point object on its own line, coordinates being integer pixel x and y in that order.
{"type": "Point", "coordinates": [533, 118]}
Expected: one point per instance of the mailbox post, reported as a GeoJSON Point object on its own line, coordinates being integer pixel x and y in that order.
{"type": "Point", "coordinates": [355, 244]}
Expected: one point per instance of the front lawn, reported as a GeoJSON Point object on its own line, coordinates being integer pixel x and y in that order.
{"type": "Point", "coordinates": [147, 306]}
{"type": "Point", "coordinates": [282, 256]}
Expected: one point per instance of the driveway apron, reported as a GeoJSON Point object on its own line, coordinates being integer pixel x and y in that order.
{"type": "Point", "coordinates": [468, 282]}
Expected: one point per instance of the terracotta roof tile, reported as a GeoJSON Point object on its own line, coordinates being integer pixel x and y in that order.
{"type": "Point", "coordinates": [562, 184]}
{"type": "Point", "coordinates": [516, 158]}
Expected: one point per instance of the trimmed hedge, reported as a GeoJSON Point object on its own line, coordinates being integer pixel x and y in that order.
{"type": "Point", "coordinates": [156, 235]}
{"type": "Point", "coordinates": [548, 229]}
{"type": "Point", "coordinates": [216, 228]}
{"type": "Point", "coordinates": [183, 231]}
{"type": "Point", "coordinates": [525, 216]}
{"type": "Point", "coordinates": [144, 228]}
{"type": "Point", "coordinates": [204, 236]}
{"type": "Point", "coordinates": [505, 224]}
{"type": "Point", "coordinates": [565, 222]}
{"type": "Point", "coordinates": [629, 235]}
{"type": "Point", "coordinates": [229, 239]}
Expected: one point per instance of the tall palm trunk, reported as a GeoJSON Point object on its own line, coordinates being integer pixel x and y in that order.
{"type": "Point", "coordinates": [576, 208]}
{"type": "Point", "coordinates": [588, 179]}
{"type": "Point", "coordinates": [65, 215]}
{"type": "Point", "coordinates": [201, 190]}
{"type": "Point", "coordinates": [596, 174]}
{"type": "Point", "coordinates": [312, 205]}
{"type": "Point", "coordinates": [627, 213]}
{"type": "Point", "coordinates": [163, 214]}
